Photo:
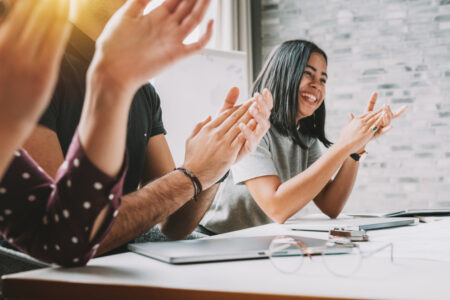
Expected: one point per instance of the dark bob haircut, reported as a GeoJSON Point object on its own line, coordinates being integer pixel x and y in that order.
{"type": "Point", "coordinates": [281, 75]}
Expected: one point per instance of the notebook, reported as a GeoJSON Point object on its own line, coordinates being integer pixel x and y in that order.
{"type": "Point", "coordinates": [422, 212]}
{"type": "Point", "coordinates": [367, 223]}
{"type": "Point", "coordinates": [220, 249]}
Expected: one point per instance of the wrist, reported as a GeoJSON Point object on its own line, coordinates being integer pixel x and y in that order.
{"type": "Point", "coordinates": [343, 148]}
{"type": "Point", "coordinates": [101, 74]}
{"type": "Point", "coordinates": [197, 186]}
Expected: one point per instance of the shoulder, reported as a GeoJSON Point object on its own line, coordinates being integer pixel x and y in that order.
{"type": "Point", "coordinates": [150, 93]}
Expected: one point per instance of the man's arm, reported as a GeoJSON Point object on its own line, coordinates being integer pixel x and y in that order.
{"type": "Point", "coordinates": [185, 220]}
{"type": "Point", "coordinates": [153, 203]}
{"type": "Point", "coordinates": [47, 154]}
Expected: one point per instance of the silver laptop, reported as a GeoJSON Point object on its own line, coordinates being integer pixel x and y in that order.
{"type": "Point", "coordinates": [220, 249]}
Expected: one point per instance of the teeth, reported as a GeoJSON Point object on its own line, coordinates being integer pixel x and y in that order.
{"type": "Point", "coordinates": [311, 97]}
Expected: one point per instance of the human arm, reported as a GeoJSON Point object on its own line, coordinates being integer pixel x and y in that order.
{"type": "Point", "coordinates": [46, 219]}
{"type": "Point", "coordinates": [280, 200]}
{"type": "Point", "coordinates": [332, 198]}
{"type": "Point", "coordinates": [33, 36]}
{"type": "Point", "coordinates": [48, 155]}
{"type": "Point", "coordinates": [186, 219]}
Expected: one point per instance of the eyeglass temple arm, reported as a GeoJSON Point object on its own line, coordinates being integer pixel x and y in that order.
{"type": "Point", "coordinates": [369, 254]}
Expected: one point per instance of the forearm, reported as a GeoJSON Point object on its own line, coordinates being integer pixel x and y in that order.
{"type": "Point", "coordinates": [12, 137]}
{"type": "Point", "coordinates": [335, 195]}
{"type": "Point", "coordinates": [103, 123]}
{"type": "Point", "coordinates": [147, 207]}
{"type": "Point", "coordinates": [184, 221]}
{"type": "Point", "coordinates": [292, 195]}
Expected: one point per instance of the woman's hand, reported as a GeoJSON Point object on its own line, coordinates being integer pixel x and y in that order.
{"type": "Point", "coordinates": [135, 47]}
{"type": "Point", "coordinates": [389, 115]}
{"type": "Point", "coordinates": [360, 130]}
{"type": "Point", "coordinates": [33, 36]}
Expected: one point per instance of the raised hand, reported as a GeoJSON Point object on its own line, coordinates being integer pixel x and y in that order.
{"type": "Point", "coordinates": [360, 130]}
{"type": "Point", "coordinates": [33, 36]}
{"type": "Point", "coordinates": [255, 123]}
{"type": "Point", "coordinates": [134, 47]}
{"type": "Point", "coordinates": [388, 116]}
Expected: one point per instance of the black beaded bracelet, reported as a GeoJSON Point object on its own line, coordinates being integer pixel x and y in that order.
{"type": "Point", "coordinates": [195, 182]}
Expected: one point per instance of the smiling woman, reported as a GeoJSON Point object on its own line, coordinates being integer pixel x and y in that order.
{"type": "Point", "coordinates": [287, 170]}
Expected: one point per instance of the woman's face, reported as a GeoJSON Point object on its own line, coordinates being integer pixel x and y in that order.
{"type": "Point", "coordinates": [312, 89]}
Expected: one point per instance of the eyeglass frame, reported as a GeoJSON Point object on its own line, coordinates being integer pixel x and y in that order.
{"type": "Point", "coordinates": [306, 252]}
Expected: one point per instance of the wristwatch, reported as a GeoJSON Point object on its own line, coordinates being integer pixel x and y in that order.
{"type": "Point", "coordinates": [359, 156]}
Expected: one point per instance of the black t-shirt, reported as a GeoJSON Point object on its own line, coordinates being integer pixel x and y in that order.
{"type": "Point", "coordinates": [64, 112]}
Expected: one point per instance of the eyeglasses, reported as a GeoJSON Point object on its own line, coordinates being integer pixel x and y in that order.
{"type": "Point", "coordinates": [340, 256]}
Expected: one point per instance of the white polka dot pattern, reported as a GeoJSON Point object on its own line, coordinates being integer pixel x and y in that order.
{"type": "Point", "coordinates": [76, 162]}
{"type": "Point", "coordinates": [98, 186]}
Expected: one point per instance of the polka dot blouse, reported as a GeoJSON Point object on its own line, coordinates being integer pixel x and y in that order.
{"type": "Point", "coordinates": [52, 220]}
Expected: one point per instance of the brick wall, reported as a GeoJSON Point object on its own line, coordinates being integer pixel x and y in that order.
{"type": "Point", "coordinates": [400, 48]}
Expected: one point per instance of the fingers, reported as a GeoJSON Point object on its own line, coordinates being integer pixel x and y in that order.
{"type": "Point", "coordinates": [201, 43]}
{"type": "Point", "coordinates": [369, 116]}
{"type": "Point", "coordinates": [233, 119]}
{"type": "Point", "coordinates": [400, 111]}
{"type": "Point", "coordinates": [55, 43]}
{"type": "Point", "coordinates": [382, 131]}
{"type": "Point", "coordinates": [5, 6]}
{"type": "Point", "coordinates": [199, 126]}
{"type": "Point", "coordinates": [268, 99]}
{"type": "Point", "coordinates": [18, 16]}
{"type": "Point", "coordinates": [183, 10]}
{"type": "Point", "coordinates": [247, 140]}
{"type": "Point", "coordinates": [246, 118]}
{"type": "Point", "coordinates": [372, 102]}
{"type": "Point", "coordinates": [37, 26]}
{"type": "Point", "coordinates": [350, 118]}
{"type": "Point", "coordinates": [376, 123]}
{"type": "Point", "coordinates": [171, 5]}
{"type": "Point", "coordinates": [53, 30]}
{"type": "Point", "coordinates": [135, 8]}
{"type": "Point", "coordinates": [195, 17]}
{"type": "Point", "coordinates": [223, 116]}
{"type": "Point", "coordinates": [230, 99]}
{"type": "Point", "coordinates": [264, 103]}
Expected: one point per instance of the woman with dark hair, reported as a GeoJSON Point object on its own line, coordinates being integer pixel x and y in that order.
{"type": "Point", "coordinates": [287, 170]}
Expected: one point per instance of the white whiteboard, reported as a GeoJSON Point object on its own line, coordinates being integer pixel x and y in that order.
{"type": "Point", "coordinates": [195, 88]}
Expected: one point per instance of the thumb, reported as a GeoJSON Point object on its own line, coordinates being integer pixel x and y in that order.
{"type": "Point", "coordinates": [350, 117]}
{"type": "Point", "coordinates": [230, 99]}
{"type": "Point", "coordinates": [199, 126]}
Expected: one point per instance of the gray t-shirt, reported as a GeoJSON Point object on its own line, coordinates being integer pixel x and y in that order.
{"type": "Point", "coordinates": [233, 207]}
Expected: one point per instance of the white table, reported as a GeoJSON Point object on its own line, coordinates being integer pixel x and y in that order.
{"type": "Point", "coordinates": [415, 274]}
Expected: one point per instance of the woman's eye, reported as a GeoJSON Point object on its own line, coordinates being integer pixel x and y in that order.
{"type": "Point", "coordinates": [307, 73]}
{"type": "Point", "coordinates": [323, 81]}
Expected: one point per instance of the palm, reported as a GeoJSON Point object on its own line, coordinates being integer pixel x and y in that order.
{"type": "Point", "coordinates": [166, 27]}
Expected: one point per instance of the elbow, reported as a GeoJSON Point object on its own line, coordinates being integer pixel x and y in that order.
{"type": "Point", "coordinates": [333, 214]}
{"type": "Point", "coordinates": [277, 215]}
{"type": "Point", "coordinates": [172, 233]}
